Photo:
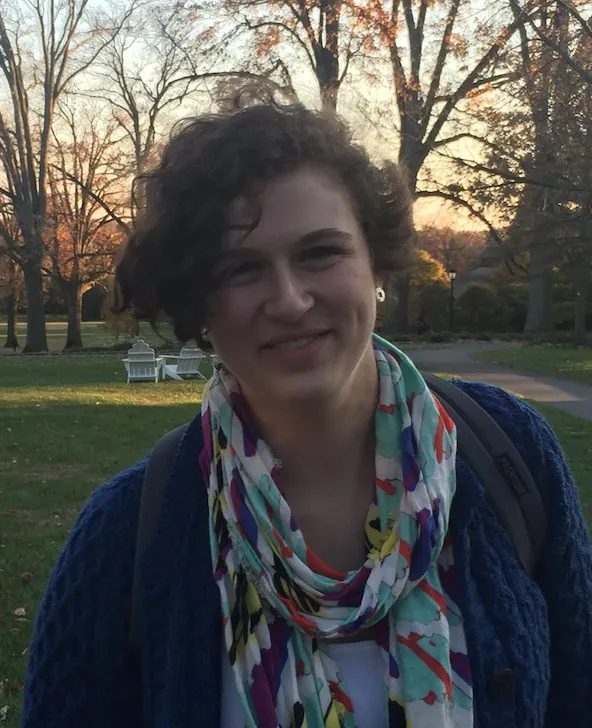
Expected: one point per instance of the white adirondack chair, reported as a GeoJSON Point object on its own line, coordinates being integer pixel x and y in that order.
{"type": "Point", "coordinates": [141, 363]}
{"type": "Point", "coordinates": [188, 363]}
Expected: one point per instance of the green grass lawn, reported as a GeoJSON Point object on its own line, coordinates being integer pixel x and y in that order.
{"type": "Point", "coordinates": [572, 364]}
{"type": "Point", "coordinates": [66, 425]}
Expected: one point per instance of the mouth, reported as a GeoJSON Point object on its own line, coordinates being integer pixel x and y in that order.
{"type": "Point", "coordinates": [295, 343]}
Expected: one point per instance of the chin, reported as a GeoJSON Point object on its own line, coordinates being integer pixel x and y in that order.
{"type": "Point", "coordinates": [307, 389]}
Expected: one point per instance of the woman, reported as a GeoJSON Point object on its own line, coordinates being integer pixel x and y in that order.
{"type": "Point", "coordinates": [322, 557]}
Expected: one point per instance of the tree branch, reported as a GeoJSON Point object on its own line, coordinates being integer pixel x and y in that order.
{"type": "Point", "coordinates": [112, 214]}
{"type": "Point", "coordinates": [287, 29]}
{"type": "Point", "coordinates": [467, 205]}
{"type": "Point", "coordinates": [517, 178]}
{"type": "Point", "coordinates": [440, 61]}
{"type": "Point", "coordinates": [586, 25]}
{"type": "Point", "coordinates": [562, 52]}
{"type": "Point", "coordinates": [472, 79]}
{"type": "Point", "coordinates": [101, 47]}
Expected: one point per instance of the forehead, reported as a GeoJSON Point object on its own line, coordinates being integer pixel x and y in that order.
{"type": "Point", "coordinates": [290, 207]}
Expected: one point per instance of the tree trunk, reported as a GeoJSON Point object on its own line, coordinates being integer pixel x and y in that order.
{"type": "Point", "coordinates": [329, 98]}
{"type": "Point", "coordinates": [582, 285]}
{"type": "Point", "coordinates": [327, 69]}
{"type": "Point", "coordinates": [411, 157]}
{"type": "Point", "coordinates": [539, 318]}
{"type": "Point", "coordinates": [390, 311]}
{"type": "Point", "coordinates": [403, 288]}
{"type": "Point", "coordinates": [73, 291]}
{"type": "Point", "coordinates": [326, 53]}
{"type": "Point", "coordinates": [11, 302]}
{"type": "Point", "coordinates": [11, 337]}
{"type": "Point", "coordinates": [36, 334]}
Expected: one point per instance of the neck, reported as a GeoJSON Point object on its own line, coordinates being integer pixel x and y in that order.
{"type": "Point", "coordinates": [325, 443]}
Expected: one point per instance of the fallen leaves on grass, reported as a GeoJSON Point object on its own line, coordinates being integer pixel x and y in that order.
{"type": "Point", "coordinates": [7, 688]}
{"type": "Point", "coordinates": [11, 688]}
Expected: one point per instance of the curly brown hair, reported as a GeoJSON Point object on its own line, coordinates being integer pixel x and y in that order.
{"type": "Point", "coordinates": [168, 262]}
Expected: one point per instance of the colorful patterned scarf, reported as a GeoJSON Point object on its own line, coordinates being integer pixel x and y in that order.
{"type": "Point", "coordinates": [280, 602]}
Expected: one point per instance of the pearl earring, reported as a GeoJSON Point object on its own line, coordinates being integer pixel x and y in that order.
{"type": "Point", "coordinates": [380, 294]}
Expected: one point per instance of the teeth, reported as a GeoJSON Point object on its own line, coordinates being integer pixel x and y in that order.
{"type": "Point", "coordinates": [296, 344]}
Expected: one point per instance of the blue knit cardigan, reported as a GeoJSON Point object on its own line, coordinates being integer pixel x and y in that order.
{"type": "Point", "coordinates": [529, 642]}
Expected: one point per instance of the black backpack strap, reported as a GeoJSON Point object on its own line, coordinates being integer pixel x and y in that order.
{"type": "Point", "coordinates": [508, 484]}
{"type": "Point", "coordinates": [158, 466]}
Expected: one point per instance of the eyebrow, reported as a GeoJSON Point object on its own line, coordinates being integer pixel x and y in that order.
{"type": "Point", "coordinates": [311, 237]}
{"type": "Point", "coordinates": [323, 233]}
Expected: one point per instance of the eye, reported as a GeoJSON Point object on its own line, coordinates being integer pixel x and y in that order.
{"type": "Point", "coordinates": [242, 272]}
{"type": "Point", "coordinates": [321, 252]}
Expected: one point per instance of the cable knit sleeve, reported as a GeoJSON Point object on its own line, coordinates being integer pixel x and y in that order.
{"type": "Point", "coordinates": [80, 671]}
{"type": "Point", "coordinates": [565, 568]}
{"type": "Point", "coordinates": [565, 576]}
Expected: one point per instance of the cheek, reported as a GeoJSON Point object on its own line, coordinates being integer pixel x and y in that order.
{"type": "Point", "coordinates": [350, 287]}
{"type": "Point", "coordinates": [231, 310]}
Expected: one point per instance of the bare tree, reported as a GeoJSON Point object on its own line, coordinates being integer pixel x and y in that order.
{"type": "Point", "coordinates": [574, 51]}
{"type": "Point", "coordinates": [542, 78]}
{"type": "Point", "coordinates": [332, 33]}
{"type": "Point", "coordinates": [573, 142]}
{"type": "Point", "coordinates": [140, 92]}
{"type": "Point", "coordinates": [427, 85]}
{"type": "Point", "coordinates": [10, 280]}
{"type": "Point", "coordinates": [80, 237]}
{"type": "Point", "coordinates": [566, 35]}
{"type": "Point", "coordinates": [535, 135]}
{"type": "Point", "coordinates": [146, 97]}
{"type": "Point", "coordinates": [40, 56]}
{"type": "Point", "coordinates": [427, 44]}
{"type": "Point", "coordinates": [327, 35]}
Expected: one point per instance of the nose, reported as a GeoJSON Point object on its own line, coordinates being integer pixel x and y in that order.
{"type": "Point", "coordinates": [289, 297]}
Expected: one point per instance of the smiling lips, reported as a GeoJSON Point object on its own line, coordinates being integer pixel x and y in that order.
{"type": "Point", "coordinates": [293, 343]}
{"type": "Point", "coordinates": [298, 352]}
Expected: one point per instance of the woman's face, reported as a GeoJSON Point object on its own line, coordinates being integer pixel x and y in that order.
{"type": "Point", "coordinates": [293, 315]}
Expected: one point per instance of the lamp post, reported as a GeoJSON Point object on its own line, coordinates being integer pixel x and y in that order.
{"type": "Point", "coordinates": [452, 277]}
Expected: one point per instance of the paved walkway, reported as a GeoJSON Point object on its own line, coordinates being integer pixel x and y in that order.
{"type": "Point", "coordinates": [459, 359]}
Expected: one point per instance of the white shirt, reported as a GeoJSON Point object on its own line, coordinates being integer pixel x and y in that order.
{"type": "Point", "coordinates": [362, 671]}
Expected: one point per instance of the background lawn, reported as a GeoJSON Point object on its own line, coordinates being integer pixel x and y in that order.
{"type": "Point", "coordinates": [68, 423]}
{"type": "Point", "coordinates": [572, 364]}
{"type": "Point", "coordinates": [94, 334]}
